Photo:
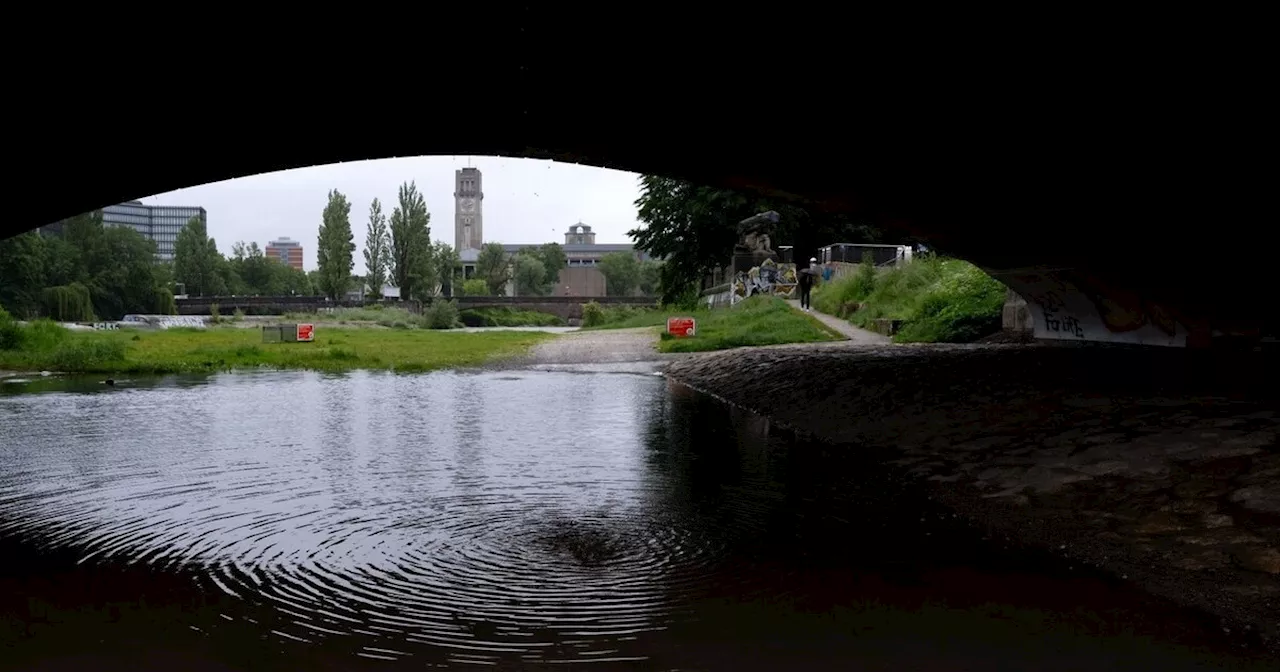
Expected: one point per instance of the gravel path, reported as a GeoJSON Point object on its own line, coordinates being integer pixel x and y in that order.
{"type": "Point", "coordinates": [597, 347]}
{"type": "Point", "coordinates": [857, 335]}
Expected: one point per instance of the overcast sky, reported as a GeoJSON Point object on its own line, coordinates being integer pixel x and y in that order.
{"type": "Point", "coordinates": [525, 201]}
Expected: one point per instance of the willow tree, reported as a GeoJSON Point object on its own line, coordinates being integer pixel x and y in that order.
{"type": "Point", "coordinates": [68, 303]}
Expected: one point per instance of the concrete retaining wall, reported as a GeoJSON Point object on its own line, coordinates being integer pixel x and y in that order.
{"type": "Point", "coordinates": [1017, 317]}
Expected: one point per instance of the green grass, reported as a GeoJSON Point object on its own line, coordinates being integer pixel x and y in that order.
{"type": "Point", "coordinates": [938, 300]}
{"type": "Point", "coordinates": [764, 320]}
{"type": "Point", "coordinates": [52, 348]}
{"type": "Point", "coordinates": [505, 316]}
{"type": "Point", "coordinates": [624, 318]}
{"type": "Point", "coordinates": [756, 321]}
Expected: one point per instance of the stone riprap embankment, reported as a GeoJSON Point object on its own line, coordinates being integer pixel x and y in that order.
{"type": "Point", "coordinates": [1158, 465]}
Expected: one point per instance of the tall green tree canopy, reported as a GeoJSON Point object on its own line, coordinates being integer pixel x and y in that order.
{"type": "Point", "coordinates": [550, 258]}
{"type": "Point", "coordinates": [448, 266]}
{"type": "Point", "coordinates": [196, 261]}
{"type": "Point", "coordinates": [22, 274]}
{"type": "Point", "coordinates": [87, 271]}
{"type": "Point", "coordinates": [494, 267]}
{"type": "Point", "coordinates": [335, 248]}
{"type": "Point", "coordinates": [530, 275]}
{"type": "Point", "coordinates": [553, 259]}
{"type": "Point", "coordinates": [693, 229]}
{"type": "Point", "coordinates": [410, 242]}
{"type": "Point", "coordinates": [621, 273]}
{"type": "Point", "coordinates": [377, 249]}
{"type": "Point", "coordinates": [252, 272]}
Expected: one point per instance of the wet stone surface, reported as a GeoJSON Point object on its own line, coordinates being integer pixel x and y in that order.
{"type": "Point", "coordinates": [1160, 466]}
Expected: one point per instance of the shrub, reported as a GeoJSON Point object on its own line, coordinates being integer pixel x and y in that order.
{"type": "Point", "coordinates": [238, 316]}
{"type": "Point", "coordinates": [502, 316]}
{"type": "Point", "coordinates": [592, 314]}
{"type": "Point", "coordinates": [85, 355]}
{"type": "Point", "coordinates": [10, 332]}
{"type": "Point", "coordinates": [215, 316]}
{"type": "Point", "coordinates": [44, 334]}
{"type": "Point", "coordinates": [475, 287]}
{"type": "Point", "coordinates": [440, 314]}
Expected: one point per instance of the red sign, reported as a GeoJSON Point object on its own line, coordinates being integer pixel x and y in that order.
{"type": "Point", "coordinates": [680, 327]}
{"type": "Point", "coordinates": [306, 333]}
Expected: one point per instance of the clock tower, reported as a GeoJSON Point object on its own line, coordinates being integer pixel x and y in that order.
{"type": "Point", "coordinates": [468, 210]}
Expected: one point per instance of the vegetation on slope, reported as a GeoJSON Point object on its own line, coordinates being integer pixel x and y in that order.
{"type": "Point", "coordinates": [938, 300]}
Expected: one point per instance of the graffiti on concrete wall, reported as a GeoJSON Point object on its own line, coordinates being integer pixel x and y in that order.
{"type": "Point", "coordinates": [165, 321]}
{"type": "Point", "coordinates": [1083, 309]}
{"type": "Point", "coordinates": [769, 278]}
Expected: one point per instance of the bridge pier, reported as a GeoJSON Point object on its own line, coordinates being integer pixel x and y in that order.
{"type": "Point", "coordinates": [1073, 305]}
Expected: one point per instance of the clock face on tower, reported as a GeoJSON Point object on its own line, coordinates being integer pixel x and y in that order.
{"type": "Point", "coordinates": [468, 205]}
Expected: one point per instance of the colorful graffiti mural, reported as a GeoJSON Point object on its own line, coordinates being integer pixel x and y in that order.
{"type": "Point", "coordinates": [769, 278]}
{"type": "Point", "coordinates": [1069, 307]}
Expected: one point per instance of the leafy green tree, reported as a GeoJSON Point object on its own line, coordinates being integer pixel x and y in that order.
{"type": "Point", "coordinates": [61, 262]}
{"type": "Point", "coordinates": [553, 259]}
{"type": "Point", "coordinates": [126, 283]}
{"type": "Point", "coordinates": [650, 277]}
{"type": "Point", "coordinates": [493, 266]}
{"type": "Point", "coordinates": [292, 280]}
{"type": "Point", "coordinates": [335, 248]}
{"type": "Point", "coordinates": [197, 262]}
{"type": "Point", "coordinates": [22, 260]}
{"type": "Point", "coordinates": [530, 275]}
{"type": "Point", "coordinates": [313, 278]}
{"type": "Point", "coordinates": [621, 273]}
{"type": "Point", "coordinates": [88, 271]}
{"type": "Point", "coordinates": [693, 229]}
{"type": "Point", "coordinates": [377, 250]}
{"type": "Point", "coordinates": [448, 267]}
{"type": "Point", "coordinates": [410, 241]}
{"type": "Point", "coordinates": [252, 268]}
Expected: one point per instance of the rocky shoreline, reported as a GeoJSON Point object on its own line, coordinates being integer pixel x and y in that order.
{"type": "Point", "coordinates": [1160, 467]}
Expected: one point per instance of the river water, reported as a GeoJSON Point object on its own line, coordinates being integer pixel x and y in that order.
{"type": "Point", "coordinates": [603, 517]}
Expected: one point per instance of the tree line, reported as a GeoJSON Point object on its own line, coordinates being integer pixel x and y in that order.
{"type": "Point", "coordinates": [87, 272]}
{"type": "Point", "coordinates": [397, 249]}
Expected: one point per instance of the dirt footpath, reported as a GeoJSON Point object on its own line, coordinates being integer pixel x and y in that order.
{"type": "Point", "coordinates": [597, 347]}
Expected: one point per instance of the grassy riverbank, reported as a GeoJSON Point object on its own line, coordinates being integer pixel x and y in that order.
{"type": "Point", "coordinates": [761, 320]}
{"type": "Point", "coordinates": [938, 300]}
{"type": "Point", "coordinates": [45, 346]}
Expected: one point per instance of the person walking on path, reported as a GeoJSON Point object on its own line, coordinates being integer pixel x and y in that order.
{"type": "Point", "coordinates": [808, 277]}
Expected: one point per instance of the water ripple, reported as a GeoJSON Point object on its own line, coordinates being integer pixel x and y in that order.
{"type": "Point", "coordinates": [435, 512]}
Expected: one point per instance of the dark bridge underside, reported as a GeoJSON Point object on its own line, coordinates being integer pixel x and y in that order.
{"type": "Point", "coordinates": [1125, 179]}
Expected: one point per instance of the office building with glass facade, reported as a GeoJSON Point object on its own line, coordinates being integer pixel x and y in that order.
{"type": "Point", "coordinates": [160, 223]}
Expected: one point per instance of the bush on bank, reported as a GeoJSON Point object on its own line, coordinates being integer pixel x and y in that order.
{"type": "Point", "coordinates": [938, 300]}
{"type": "Point", "coordinates": [506, 316]}
{"type": "Point", "coordinates": [43, 344]}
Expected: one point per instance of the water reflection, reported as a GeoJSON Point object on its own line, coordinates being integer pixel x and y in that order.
{"type": "Point", "coordinates": [309, 521]}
